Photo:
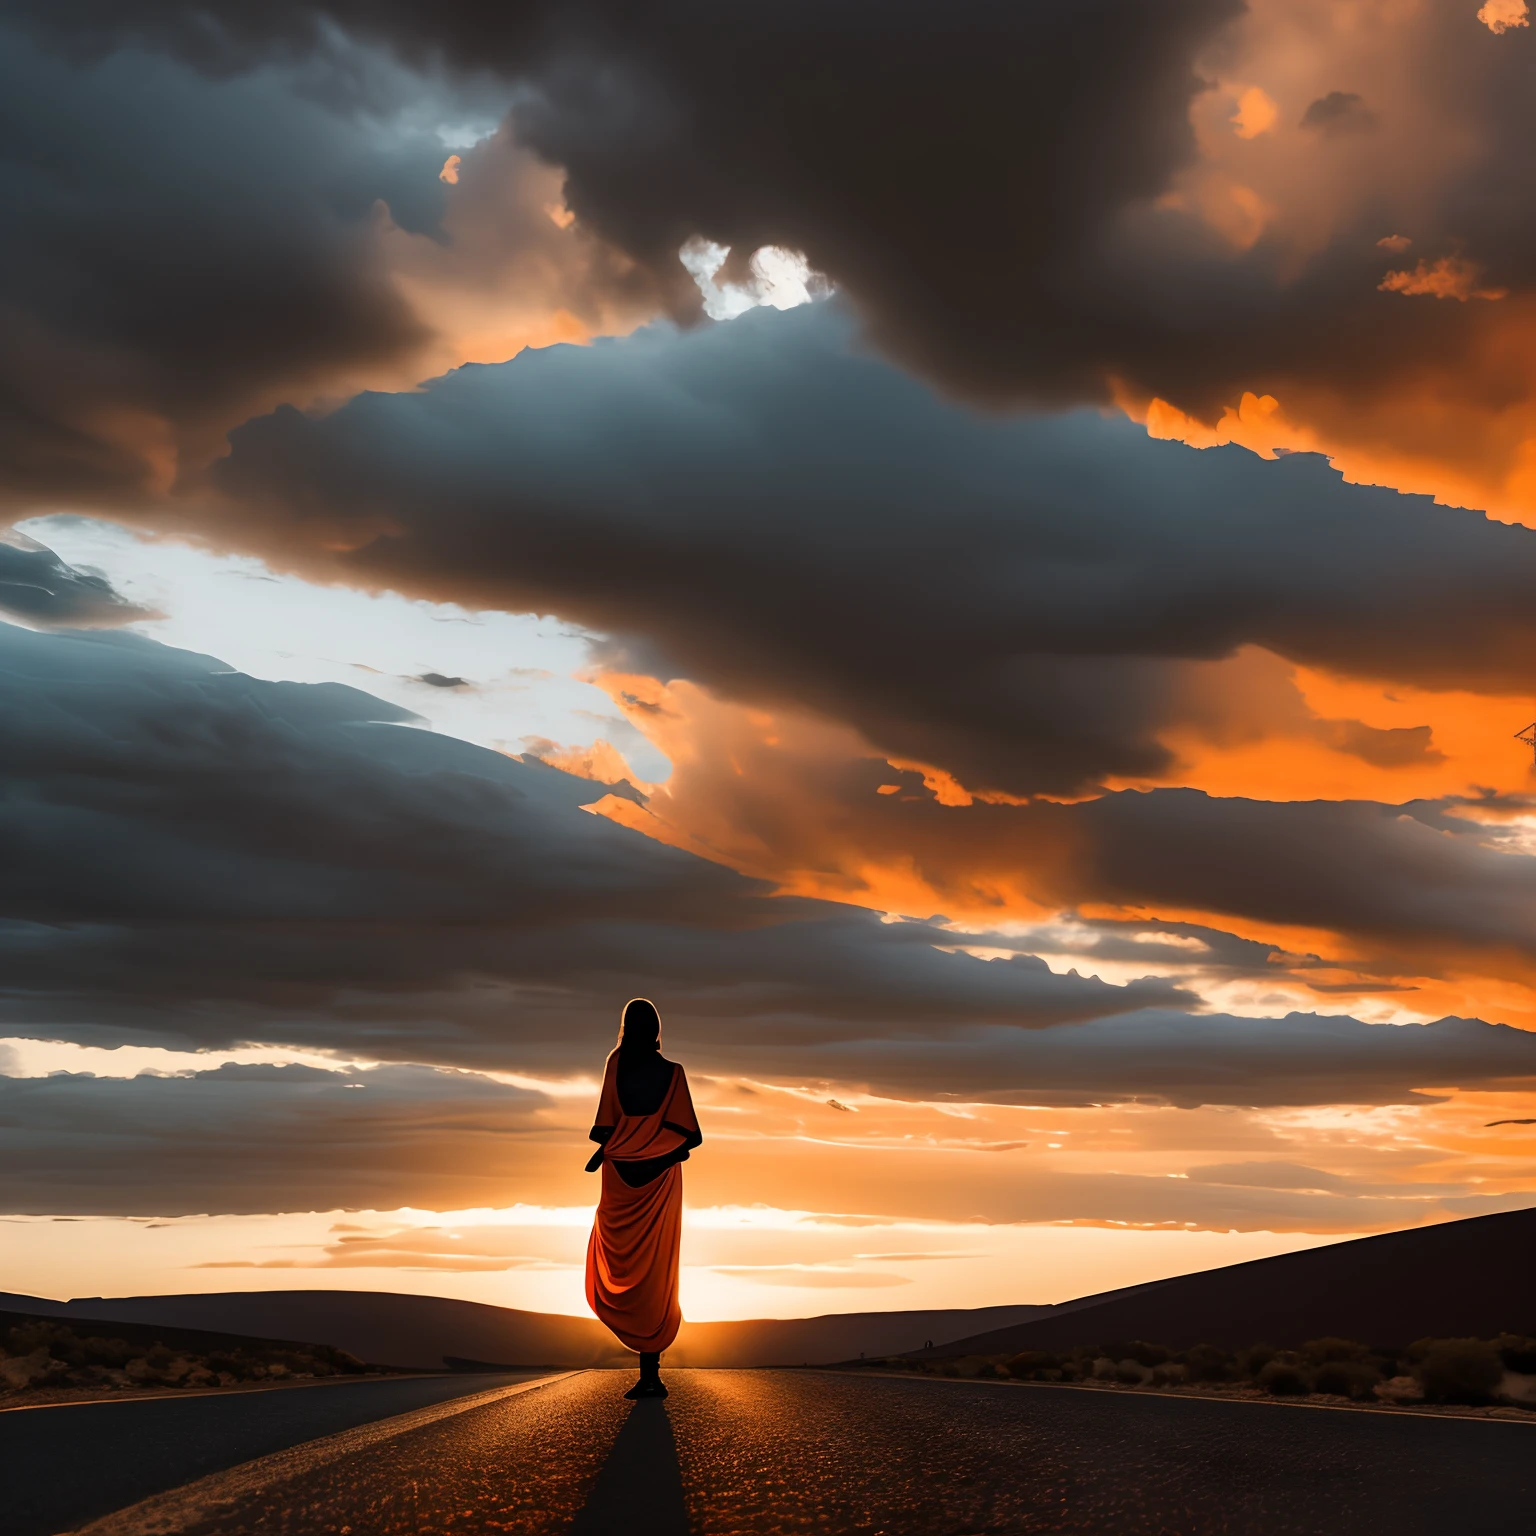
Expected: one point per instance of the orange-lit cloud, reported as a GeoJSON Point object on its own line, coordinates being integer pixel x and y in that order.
{"type": "Point", "coordinates": [1255, 114]}
{"type": "Point", "coordinates": [1500, 15]}
{"type": "Point", "coordinates": [1449, 278]}
{"type": "Point", "coordinates": [808, 806]}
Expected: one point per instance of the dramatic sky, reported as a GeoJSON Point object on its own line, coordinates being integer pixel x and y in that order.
{"type": "Point", "coordinates": [981, 554]}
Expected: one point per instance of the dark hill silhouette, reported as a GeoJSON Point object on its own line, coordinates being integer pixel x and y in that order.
{"type": "Point", "coordinates": [1460, 1279]}
{"type": "Point", "coordinates": [424, 1331]}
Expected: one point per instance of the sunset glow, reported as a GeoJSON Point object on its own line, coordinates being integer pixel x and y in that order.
{"type": "Point", "coordinates": [1011, 622]}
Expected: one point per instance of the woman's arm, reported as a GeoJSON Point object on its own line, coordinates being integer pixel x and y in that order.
{"type": "Point", "coordinates": [599, 1134]}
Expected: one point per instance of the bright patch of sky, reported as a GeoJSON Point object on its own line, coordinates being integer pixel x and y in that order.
{"type": "Point", "coordinates": [42, 1058]}
{"type": "Point", "coordinates": [779, 278]}
{"type": "Point", "coordinates": [497, 679]}
{"type": "Point", "coordinates": [466, 135]}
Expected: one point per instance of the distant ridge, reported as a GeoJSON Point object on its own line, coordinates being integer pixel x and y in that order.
{"type": "Point", "coordinates": [425, 1331]}
{"type": "Point", "coordinates": [1459, 1279]}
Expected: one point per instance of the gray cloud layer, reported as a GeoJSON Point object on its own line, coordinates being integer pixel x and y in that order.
{"type": "Point", "coordinates": [1415, 883]}
{"type": "Point", "coordinates": [41, 589]}
{"type": "Point", "coordinates": [875, 146]}
{"type": "Point", "coordinates": [181, 248]}
{"type": "Point", "coordinates": [197, 858]}
{"type": "Point", "coordinates": [1026, 602]}
{"type": "Point", "coordinates": [245, 1139]}
{"type": "Point", "coordinates": [176, 249]}
{"type": "Point", "coordinates": [1186, 1059]}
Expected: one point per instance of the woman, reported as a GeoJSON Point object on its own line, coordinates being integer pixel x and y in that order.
{"type": "Point", "coordinates": [645, 1128]}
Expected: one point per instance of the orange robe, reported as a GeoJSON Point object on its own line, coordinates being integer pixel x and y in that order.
{"type": "Point", "coordinates": [632, 1256]}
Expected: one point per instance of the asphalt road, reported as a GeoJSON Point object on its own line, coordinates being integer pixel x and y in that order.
{"type": "Point", "coordinates": [733, 1453]}
{"type": "Point", "coordinates": [63, 1466]}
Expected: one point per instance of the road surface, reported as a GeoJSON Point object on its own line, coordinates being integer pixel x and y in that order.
{"type": "Point", "coordinates": [60, 1467]}
{"type": "Point", "coordinates": [737, 1453]}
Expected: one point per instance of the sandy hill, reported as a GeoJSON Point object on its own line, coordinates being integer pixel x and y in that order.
{"type": "Point", "coordinates": [1473, 1278]}
{"type": "Point", "coordinates": [425, 1331]}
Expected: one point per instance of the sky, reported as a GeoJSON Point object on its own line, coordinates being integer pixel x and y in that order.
{"type": "Point", "coordinates": [980, 556]}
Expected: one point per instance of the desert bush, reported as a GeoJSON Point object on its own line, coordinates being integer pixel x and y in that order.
{"type": "Point", "coordinates": [1252, 1360]}
{"type": "Point", "coordinates": [25, 1370]}
{"type": "Point", "coordinates": [971, 1366]}
{"type": "Point", "coordinates": [1458, 1370]}
{"type": "Point", "coordinates": [1346, 1378]}
{"type": "Point", "coordinates": [1173, 1373]}
{"type": "Point", "coordinates": [1028, 1365]}
{"type": "Point", "coordinates": [58, 1355]}
{"type": "Point", "coordinates": [1284, 1377]}
{"type": "Point", "coordinates": [1132, 1373]}
{"type": "Point", "coordinates": [1517, 1352]}
{"type": "Point", "coordinates": [1204, 1362]}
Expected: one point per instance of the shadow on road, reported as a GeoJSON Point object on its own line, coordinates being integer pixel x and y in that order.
{"type": "Point", "coordinates": [639, 1488]}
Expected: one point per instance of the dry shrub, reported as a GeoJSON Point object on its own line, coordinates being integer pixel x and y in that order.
{"type": "Point", "coordinates": [60, 1356]}
{"type": "Point", "coordinates": [1517, 1352]}
{"type": "Point", "coordinates": [1252, 1360]}
{"type": "Point", "coordinates": [1458, 1370]}
{"type": "Point", "coordinates": [1032, 1363]}
{"type": "Point", "coordinates": [1284, 1377]}
{"type": "Point", "coordinates": [1204, 1362]}
{"type": "Point", "coordinates": [1346, 1378]}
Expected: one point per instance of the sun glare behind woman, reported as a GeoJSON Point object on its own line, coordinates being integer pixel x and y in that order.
{"type": "Point", "coordinates": [645, 1129]}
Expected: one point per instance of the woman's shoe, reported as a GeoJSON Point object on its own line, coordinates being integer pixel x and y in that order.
{"type": "Point", "coordinates": [647, 1387]}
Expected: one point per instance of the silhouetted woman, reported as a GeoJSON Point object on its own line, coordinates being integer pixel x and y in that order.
{"type": "Point", "coordinates": [645, 1128]}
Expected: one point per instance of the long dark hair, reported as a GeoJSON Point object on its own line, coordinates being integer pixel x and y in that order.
{"type": "Point", "coordinates": [640, 1028]}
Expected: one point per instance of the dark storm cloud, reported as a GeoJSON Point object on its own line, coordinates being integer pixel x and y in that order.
{"type": "Point", "coordinates": [39, 588]}
{"type": "Point", "coordinates": [1182, 1059]}
{"type": "Point", "coordinates": [198, 858]}
{"type": "Point", "coordinates": [180, 248]}
{"type": "Point", "coordinates": [246, 1139]}
{"type": "Point", "coordinates": [1423, 883]}
{"type": "Point", "coordinates": [1427, 877]}
{"type": "Point", "coordinates": [995, 185]}
{"type": "Point", "coordinates": [1026, 602]}
{"type": "Point", "coordinates": [1339, 112]}
{"type": "Point", "coordinates": [1012, 131]}
{"type": "Point", "coordinates": [174, 250]}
